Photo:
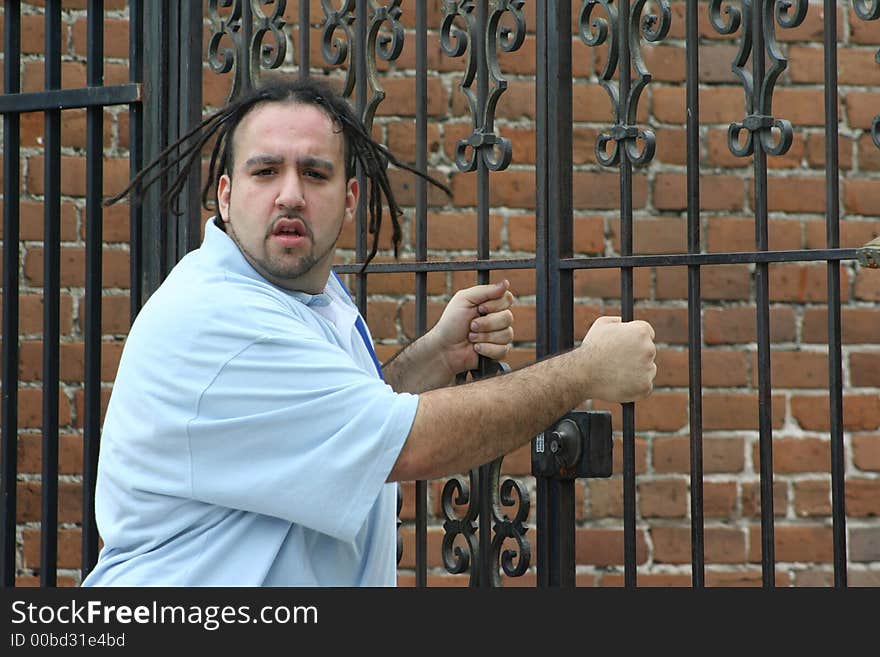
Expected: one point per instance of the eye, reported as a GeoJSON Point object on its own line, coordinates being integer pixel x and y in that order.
{"type": "Point", "coordinates": [315, 173]}
{"type": "Point", "coordinates": [268, 171]}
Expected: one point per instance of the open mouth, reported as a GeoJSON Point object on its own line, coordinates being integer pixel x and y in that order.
{"type": "Point", "coordinates": [290, 228]}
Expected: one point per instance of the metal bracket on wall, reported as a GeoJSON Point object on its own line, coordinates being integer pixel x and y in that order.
{"type": "Point", "coordinates": [578, 445]}
{"type": "Point", "coordinates": [869, 255]}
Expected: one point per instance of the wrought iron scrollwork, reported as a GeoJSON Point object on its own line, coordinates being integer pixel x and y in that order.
{"type": "Point", "coordinates": [385, 36]}
{"type": "Point", "coordinates": [625, 138]}
{"type": "Point", "coordinates": [483, 143]}
{"type": "Point", "coordinates": [506, 493]}
{"type": "Point", "coordinates": [334, 48]}
{"type": "Point", "coordinates": [247, 26]}
{"type": "Point", "coordinates": [869, 10]}
{"type": "Point", "coordinates": [775, 135]}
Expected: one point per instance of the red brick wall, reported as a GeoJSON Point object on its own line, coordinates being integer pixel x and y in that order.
{"type": "Point", "coordinates": [798, 291]}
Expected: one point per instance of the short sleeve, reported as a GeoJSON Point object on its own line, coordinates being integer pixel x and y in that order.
{"type": "Point", "coordinates": [291, 427]}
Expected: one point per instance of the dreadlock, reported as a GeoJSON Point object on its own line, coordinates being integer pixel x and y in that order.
{"type": "Point", "coordinates": [360, 149]}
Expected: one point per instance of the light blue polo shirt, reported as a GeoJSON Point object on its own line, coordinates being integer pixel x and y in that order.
{"type": "Point", "coordinates": [248, 438]}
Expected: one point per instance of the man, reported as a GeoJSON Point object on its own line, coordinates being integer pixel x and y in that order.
{"type": "Point", "coordinates": [250, 437]}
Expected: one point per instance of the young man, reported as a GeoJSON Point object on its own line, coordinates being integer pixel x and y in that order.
{"type": "Point", "coordinates": [250, 437]}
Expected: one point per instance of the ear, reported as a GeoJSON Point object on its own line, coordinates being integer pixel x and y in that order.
{"type": "Point", "coordinates": [351, 199]}
{"type": "Point", "coordinates": [224, 191]}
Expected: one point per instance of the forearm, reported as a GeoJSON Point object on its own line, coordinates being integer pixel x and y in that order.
{"type": "Point", "coordinates": [417, 368]}
{"type": "Point", "coordinates": [459, 427]}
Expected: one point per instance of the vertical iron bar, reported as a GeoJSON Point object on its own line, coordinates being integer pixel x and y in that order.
{"type": "Point", "coordinates": [155, 124]}
{"type": "Point", "coordinates": [835, 364]}
{"type": "Point", "coordinates": [11, 192]}
{"type": "Point", "coordinates": [484, 572]}
{"type": "Point", "coordinates": [763, 317]}
{"type": "Point", "coordinates": [135, 154]}
{"type": "Point", "coordinates": [359, 60]}
{"type": "Point", "coordinates": [695, 338]}
{"type": "Point", "coordinates": [51, 300]}
{"type": "Point", "coordinates": [190, 95]}
{"type": "Point", "coordinates": [174, 110]}
{"type": "Point", "coordinates": [304, 39]}
{"type": "Point", "coordinates": [421, 492]}
{"type": "Point", "coordinates": [626, 306]}
{"type": "Point", "coordinates": [94, 240]}
{"type": "Point", "coordinates": [554, 240]}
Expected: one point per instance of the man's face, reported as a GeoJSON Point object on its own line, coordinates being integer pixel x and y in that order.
{"type": "Point", "coordinates": [288, 198]}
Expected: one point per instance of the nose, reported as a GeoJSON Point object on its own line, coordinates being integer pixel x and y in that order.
{"type": "Point", "coordinates": [290, 193]}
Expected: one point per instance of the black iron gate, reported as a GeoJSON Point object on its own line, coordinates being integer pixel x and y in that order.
{"type": "Point", "coordinates": [359, 42]}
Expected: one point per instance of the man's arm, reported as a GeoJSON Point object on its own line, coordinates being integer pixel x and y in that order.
{"type": "Point", "coordinates": [460, 427]}
{"type": "Point", "coordinates": [476, 322]}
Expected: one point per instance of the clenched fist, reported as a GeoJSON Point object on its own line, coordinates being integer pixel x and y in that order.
{"type": "Point", "coordinates": [620, 359]}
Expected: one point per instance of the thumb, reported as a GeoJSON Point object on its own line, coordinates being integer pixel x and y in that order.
{"type": "Point", "coordinates": [481, 293]}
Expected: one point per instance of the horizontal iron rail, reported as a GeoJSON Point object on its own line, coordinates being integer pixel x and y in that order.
{"type": "Point", "coordinates": [607, 262]}
{"type": "Point", "coordinates": [56, 99]}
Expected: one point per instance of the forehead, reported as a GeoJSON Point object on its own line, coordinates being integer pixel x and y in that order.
{"type": "Point", "coordinates": [287, 129]}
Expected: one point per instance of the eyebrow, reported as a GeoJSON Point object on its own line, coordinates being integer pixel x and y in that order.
{"type": "Point", "coordinates": [309, 161]}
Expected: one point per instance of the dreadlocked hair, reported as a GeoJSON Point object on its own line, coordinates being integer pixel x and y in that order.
{"type": "Point", "coordinates": [361, 151]}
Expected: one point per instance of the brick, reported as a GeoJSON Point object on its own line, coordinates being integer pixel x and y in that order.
{"type": "Point", "coordinates": [862, 497]}
{"type": "Point", "coordinates": [860, 196]}
{"type": "Point", "coordinates": [738, 325]}
{"type": "Point", "coordinates": [115, 314]}
{"type": "Point", "coordinates": [719, 368]}
{"type": "Point", "coordinates": [864, 544]}
{"type": "Point", "coordinates": [30, 314]}
{"type": "Point", "coordinates": [738, 411]}
{"type": "Point", "coordinates": [861, 108]}
{"type": "Point", "coordinates": [718, 282]}
{"type": "Point", "coordinates": [601, 191]}
{"type": "Point", "coordinates": [73, 175]}
{"type": "Point", "coordinates": [69, 548]}
{"type": "Point", "coordinates": [605, 498]}
{"type": "Point", "coordinates": [809, 197]}
{"type": "Point", "coordinates": [79, 406]}
{"type": "Point", "coordinates": [403, 283]}
{"type": "Point", "coordinates": [458, 231]}
{"type": "Point", "coordinates": [71, 361]}
{"type": "Point", "coordinates": [719, 499]}
{"type": "Point", "coordinates": [804, 283]}
{"type": "Point", "coordinates": [672, 455]}
{"type": "Point", "coordinates": [853, 233]}
{"type": "Point", "coordinates": [795, 455]}
{"type": "Point", "coordinates": [795, 369]}
{"type": "Point", "coordinates": [857, 325]}
{"type": "Point", "coordinates": [30, 449]}
{"type": "Point", "coordinates": [795, 543]}
{"type": "Point", "coordinates": [815, 152]}
{"type": "Point", "coordinates": [730, 234]}
{"type": "Point", "coordinates": [605, 283]}
{"type": "Point", "coordinates": [860, 412]}
{"type": "Point", "coordinates": [864, 369]}
{"type": "Point", "coordinates": [721, 544]}
{"type": "Point", "coordinates": [867, 285]}
{"type": "Point", "coordinates": [750, 497]}
{"type": "Point", "coordinates": [743, 578]}
{"type": "Point", "coordinates": [866, 452]}
{"type": "Point", "coordinates": [114, 265]}
{"type": "Point", "coordinates": [604, 547]}
{"type": "Point", "coordinates": [716, 192]}
{"type": "Point", "coordinates": [663, 498]}
{"type": "Point", "coordinates": [30, 495]}
{"type": "Point", "coordinates": [31, 221]}
{"type": "Point", "coordinates": [662, 411]}
{"type": "Point", "coordinates": [30, 409]}
{"type": "Point", "coordinates": [115, 37]}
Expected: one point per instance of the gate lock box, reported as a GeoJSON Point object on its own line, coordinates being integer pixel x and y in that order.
{"type": "Point", "coordinates": [578, 445]}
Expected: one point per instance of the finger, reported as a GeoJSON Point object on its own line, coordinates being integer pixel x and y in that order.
{"type": "Point", "coordinates": [479, 294]}
{"type": "Point", "coordinates": [608, 319]}
{"type": "Point", "coordinates": [493, 322]}
{"type": "Point", "coordinates": [494, 305]}
{"type": "Point", "coordinates": [504, 336]}
{"type": "Point", "coordinates": [493, 351]}
{"type": "Point", "coordinates": [646, 325]}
